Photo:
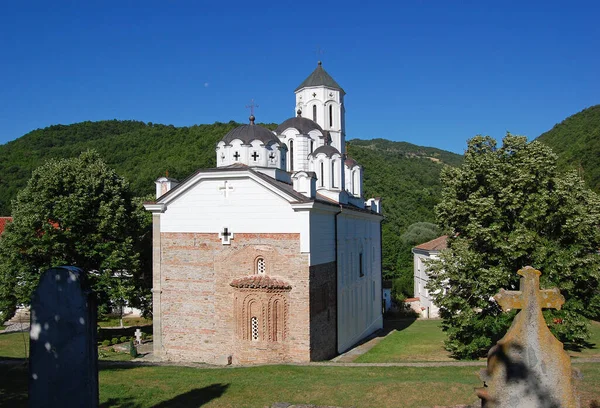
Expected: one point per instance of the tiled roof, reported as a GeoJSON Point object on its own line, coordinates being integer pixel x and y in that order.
{"type": "Point", "coordinates": [303, 125]}
{"type": "Point", "coordinates": [3, 222]}
{"type": "Point", "coordinates": [260, 282]}
{"type": "Point", "coordinates": [319, 78]}
{"type": "Point", "coordinates": [435, 244]}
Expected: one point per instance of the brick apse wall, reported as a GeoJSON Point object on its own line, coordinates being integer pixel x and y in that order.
{"type": "Point", "coordinates": [204, 318]}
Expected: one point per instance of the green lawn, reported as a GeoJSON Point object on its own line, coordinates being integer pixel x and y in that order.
{"type": "Point", "coordinates": [423, 340]}
{"type": "Point", "coordinates": [419, 340]}
{"type": "Point", "coordinates": [137, 387]}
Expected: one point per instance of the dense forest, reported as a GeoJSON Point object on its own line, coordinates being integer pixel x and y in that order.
{"type": "Point", "coordinates": [406, 176]}
{"type": "Point", "coordinates": [576, 140]}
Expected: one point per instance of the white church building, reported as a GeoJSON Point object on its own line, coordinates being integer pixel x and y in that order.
{"type": "Point", "coordinates": [274, 255]}
{"type": "Point", "coordinates": [423, 303]}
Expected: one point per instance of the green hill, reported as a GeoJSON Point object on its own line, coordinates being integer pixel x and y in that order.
{"type": "Point", "coordinates": [405, 175]}
{"type": "Point", "coordinates": [576, 140]}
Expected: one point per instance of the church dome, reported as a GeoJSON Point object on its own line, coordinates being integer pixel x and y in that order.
{"type": "Point", "coordinates": [328, 150]}
{"type": "Point", "coordinates": [249, 133]}
{"type": "Point", "coordinates": [303, 125]}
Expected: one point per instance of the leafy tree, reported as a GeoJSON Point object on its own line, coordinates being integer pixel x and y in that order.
{"type": "Point", "coordinates": [76, 212]}
{"type": "Point", "coordinates": [506, 208]}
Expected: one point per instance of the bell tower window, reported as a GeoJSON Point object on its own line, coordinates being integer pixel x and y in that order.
{"type": "Point", "coordinates": [322, 178]}
{"type": "Point", "coordinates": [291, 155]}
{"type": "Point", "coordinates": [333, 174]}
{"type": "Point", "coordinates": [314, 113]}
{"type": "Point", "coordinates": [330, 115]}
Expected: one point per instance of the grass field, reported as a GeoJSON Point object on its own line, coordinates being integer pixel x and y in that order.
{"type": "Point", "coordinates": [138, 387]}
{"type": "Point", "coordinates": [423, 340]}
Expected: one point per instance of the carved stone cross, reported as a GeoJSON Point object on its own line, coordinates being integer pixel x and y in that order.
{"type": "Point", "coordinates": [528, 367]}
{"type": "Point", "coordinates": [138, 336]}
{"type": "Point", "coordinates": [530, 292]}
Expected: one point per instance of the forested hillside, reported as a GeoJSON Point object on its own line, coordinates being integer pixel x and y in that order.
{"type": "Point", "coordinates": [576, 140]}
{"type": "Point", "coordinates": [406, 176]}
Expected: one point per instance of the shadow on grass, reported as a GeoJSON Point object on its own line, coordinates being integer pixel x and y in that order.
{"type": "Point", "coordinates": [579, 347]}
{"type": "Point", "coordinates": [391, 322]}
{"type": "Point", "coordinates": [13, 386]}
{"type": "Point", "coordinates": [193, 398]}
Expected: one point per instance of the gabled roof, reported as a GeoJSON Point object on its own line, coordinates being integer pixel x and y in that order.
{"type": "Point", "coordinates": [3, 222]}
{"type": "Point", "coordinates": [435, 244]}
{"type": "Point", "coordinates": [319, 77]}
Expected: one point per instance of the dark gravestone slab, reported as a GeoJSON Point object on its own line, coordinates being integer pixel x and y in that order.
{"type": "Point", "coordinates": [63, 364]}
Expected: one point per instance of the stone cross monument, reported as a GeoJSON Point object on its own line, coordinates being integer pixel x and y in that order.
{"type": "Point", "coordinates": [528, 367]}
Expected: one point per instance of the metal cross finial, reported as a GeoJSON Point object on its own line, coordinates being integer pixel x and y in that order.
{"type": "Point", "coordinates": [319, 52]}
{"type": "Point", "coordinates": [252, 106]}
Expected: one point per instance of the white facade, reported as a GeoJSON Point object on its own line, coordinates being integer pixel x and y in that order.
{"type": "Point", "coordinates": [423, 254]}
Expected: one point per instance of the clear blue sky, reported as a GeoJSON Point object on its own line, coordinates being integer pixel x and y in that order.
{"type": "Point", "coordinates": [433, 73]}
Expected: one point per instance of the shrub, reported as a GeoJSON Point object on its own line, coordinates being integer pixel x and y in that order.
{"type": "Point", "coordinates": [106, 343]}
{"type": "Point", "coordinates": [144, 336]}
{"type": "Point", "coordinates": [132, 350]}
{"type": "Point", "coordinates": [123, 339]}
{"type": "Point", "coordinates": [114, 341]}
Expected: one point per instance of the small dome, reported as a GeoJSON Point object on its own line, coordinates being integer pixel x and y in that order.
{"type": "Point", "coordinates": [304, 125]}
{"type": "Point", "coordinates": [350, 162]}
{"type": "Point", "coordinates": [249, 133]}
{"type": "Point", "coordinates": [329, 151]}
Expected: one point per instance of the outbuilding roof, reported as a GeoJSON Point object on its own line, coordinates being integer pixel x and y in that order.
{"type": "Point", "coordinates": [3, 222]}
{"type": "Point", "coordinates": [435, 244]}
{"type": "Point", "coordinates": [319, 77]}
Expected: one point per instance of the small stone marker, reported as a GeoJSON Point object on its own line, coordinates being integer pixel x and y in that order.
{"type": "Point", "coordinates": [63, 361]}
{"type": "Point", "coordinates": [528, 367]}
{"type": "Point", "coordinates": [138, 336]}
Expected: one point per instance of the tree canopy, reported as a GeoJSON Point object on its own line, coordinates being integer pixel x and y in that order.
{"type": "Point", "coordinates": [76, 212]}
{"type": "Point", "coordinates": [505, 208]}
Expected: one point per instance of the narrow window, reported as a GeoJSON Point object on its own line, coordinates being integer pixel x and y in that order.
{"type": "Point", "coordinates": [315, 113]}
{"type": "Point", "coordinates": [361, 273]}
{"type": "Point", "coordinates": [322, 175]}
{"type": "Point", "coordinates": [330, 115]}
{"type": "Point", "coordinates": [254, 323]}
{"type": "Point", "coordinates": [291, 155]}
{"type": "Point", "coordinates": [333, 174]}
{"type": "Point", "coordinates": [261, 266]}
{"type": "Point", "coordinates": [312, 145]}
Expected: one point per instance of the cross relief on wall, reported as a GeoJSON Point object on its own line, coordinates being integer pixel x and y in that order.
{"type": "Point", "coordinates": [226, 189]}
{"type": "Point", "coordinates": [226, 236]}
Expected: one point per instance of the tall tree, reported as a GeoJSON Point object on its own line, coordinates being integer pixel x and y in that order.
{"type": "Point", "coordinates": [506, 208]}
{"type": "Point", "coordinates": [76, 212]}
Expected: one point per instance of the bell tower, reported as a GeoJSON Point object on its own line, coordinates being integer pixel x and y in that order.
{"type": "Point", "coordinates": [321, 99]}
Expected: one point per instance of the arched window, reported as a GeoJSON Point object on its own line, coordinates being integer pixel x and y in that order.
{"type": "Point", "coordinates": [333, 174]}
{"type": "Point", "coordinates": [322, 178]}
{"type": "Point", "coordinates": [353, 186]}
{"type": "Point", "coordinates": [312, 146]}
{"type": "Point", "coordinates": [261, 266]}
{"type": "Point", "coordinates": [330, 115]}
{"type": "Point", "coordinates": [315, 113]}
{"type": "Point", "coordinates": [291, 155]}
